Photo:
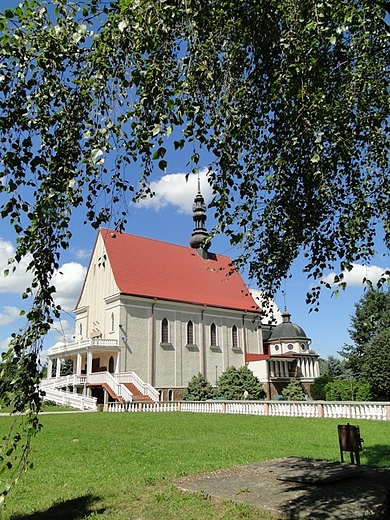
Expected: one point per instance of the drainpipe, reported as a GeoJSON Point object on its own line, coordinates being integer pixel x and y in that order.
{"type": "Point", "coordinates": [244, 334]}
{"type": "Point", "coordinates": [152, 349]}
{"type": "Point", "coordinates": [203, 347]}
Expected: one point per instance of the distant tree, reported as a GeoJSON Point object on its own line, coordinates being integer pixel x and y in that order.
{"type": "Point", "coordinates": [376, 365]}
{"type": "Point", "coordinates": [198, 389]}
{"type": "Point", "coordinates": [372, 315]}
{"type": "Point", "coordinates": [66, 367]}
{"type": "Point", "coordinates": [347, 390]}
{"type": "Point", "coordinates": [317, 389]}
{"type": "Point", "coordinates": [323, 366]}
{"type": "Point", "coordinates": [234, 381]}
{"type": "Point", "coordinates": [294, 391]}
{"type": "Point", "coordinates": [338, 369]}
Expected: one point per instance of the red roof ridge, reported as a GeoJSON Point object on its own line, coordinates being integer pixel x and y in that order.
{"type": "Point", "coordinates": [188, 248]}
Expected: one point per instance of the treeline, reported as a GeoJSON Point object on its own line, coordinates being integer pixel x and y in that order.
{"type": "Point", "coordinates": [363, 373]}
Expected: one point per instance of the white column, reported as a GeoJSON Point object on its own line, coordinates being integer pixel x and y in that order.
{"type": "Point", "coordinates": [49, 368]}
{"type": "Point", "coordinates": [58, 367]}
{"type": "Point", "coordinates": [304, 367]}
{"type": "Point", "coordinates": [89, 362]}
{"type": "Point", "coordinates": [78, 364]}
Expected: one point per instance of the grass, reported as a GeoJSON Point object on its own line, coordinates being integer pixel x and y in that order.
{"type": "Point", "coordinates": [112, 466]}
{"type": "Point", "coordinates": [46, 407]}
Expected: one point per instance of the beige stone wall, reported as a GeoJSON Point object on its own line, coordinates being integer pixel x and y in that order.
{"type": "Point", "coordinates": [99, 284]}
{"type": "Point", "coordinates": [177, 362]}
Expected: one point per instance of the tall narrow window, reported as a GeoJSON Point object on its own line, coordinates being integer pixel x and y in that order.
{"type": "Point", "coordinates": [213, 335]}
{"type": "Point", "coordinates": [234, 337]}
{"type": "Point", "coordinates": [111, 365]}
{"type": "Point", "coordinates": [190, 333]}
{"type": "Point", "coordinates": [112, 322]}
{"type": "Point", "coordinates": [164, 331]}
{"type": "Point", "coordinates": [81, 330]}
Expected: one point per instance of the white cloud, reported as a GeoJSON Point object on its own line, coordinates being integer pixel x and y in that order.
{"type": "Point", "coordinates": [81, 254]}
{"type": "Point", "coordinates": [9, 315]}
{"type": "Point", "coordinates": [175, 189]}
{"type": "Point", "coordinates": [4, 344]}
{"type": "Point", "coordinates": [357, 274]}
{"type": "Point", "coordinates": [68, 281]}
{"type": "Point", "coordinates": [18, 280]}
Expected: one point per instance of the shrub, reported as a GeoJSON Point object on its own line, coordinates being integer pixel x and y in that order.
{"type": "Point", "coordinates": [234, 381]}
{"type": "Point", "coordinates": [198, 389]}
{"type": "Point", "coordinates": [317, 389]}
{"type": "Point", "coordinates": [347, 390]}
{"type": "Point", "coordinates": [294, 391]}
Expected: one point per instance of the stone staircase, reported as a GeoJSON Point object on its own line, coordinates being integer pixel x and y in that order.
{"type": "Point", "coordinates": [138, 397]}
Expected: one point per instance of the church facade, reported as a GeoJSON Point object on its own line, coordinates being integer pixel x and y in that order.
{"type": "Point", "coordinates": [151, 315]}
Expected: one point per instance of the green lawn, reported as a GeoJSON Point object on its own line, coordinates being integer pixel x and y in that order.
{"type": "Point", "coordinates": [119, 466]}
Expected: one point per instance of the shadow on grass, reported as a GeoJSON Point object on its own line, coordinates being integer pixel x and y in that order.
{"type": "Point", "coordinates": [364, 495]}
{"type": "Point", "coordinates": [73, 509]}
{"type": "Point", "coordinates": [377, 455]}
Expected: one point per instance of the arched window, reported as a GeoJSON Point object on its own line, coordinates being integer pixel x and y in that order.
{"type": "Point", "coordinates": [81, 330]}
{"type": "Point", "coordinates": [234, 337]}
{"type": "Point", "coordinates": [213, 334]}
{"type": "Point", "coordinates": [112, 322]}
{"type": "Point", "coordinates": [190, 333]}
{"type": "Point", "coordinates": [170, 395]}
{"type": "Point", "coordinates": [164, 331]}
{"type": "Point", "coordinates": [111, 365]}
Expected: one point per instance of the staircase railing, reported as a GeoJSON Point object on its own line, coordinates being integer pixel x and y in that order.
{"type": "Point", "coordinates": [144, 388]}
{"type": "Point", "coordinates": [112, 382]}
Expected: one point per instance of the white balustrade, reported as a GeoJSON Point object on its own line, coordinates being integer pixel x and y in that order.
{"type": "Point", "coordinates": [335, 410]}
{"type": "Point", "coordinates": [66, 348]}
{"type": "Point", "coordinates": [69, 399]}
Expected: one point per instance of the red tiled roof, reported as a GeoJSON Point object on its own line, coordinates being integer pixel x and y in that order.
{"type": "Point", "coordinates": [262, 357]}
{"type": "Point", "coordinates": [256, 357]}
{"type": "Point", "coordinates": [155, 269]}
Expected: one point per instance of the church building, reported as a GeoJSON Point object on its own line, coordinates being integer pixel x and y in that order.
{"type": "Point", "coordinates": [151, 315]}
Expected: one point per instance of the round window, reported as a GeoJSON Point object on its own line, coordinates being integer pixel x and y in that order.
{"type": "Point", "coordinates": [290, 346]}
{"type": "Point", "coordinates": [303, 346]}
{"type": "Point", "coordinates": [276, 347]}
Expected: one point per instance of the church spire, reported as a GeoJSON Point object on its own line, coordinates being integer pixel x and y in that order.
{"type": "Point", "coordinates": [199, 217]}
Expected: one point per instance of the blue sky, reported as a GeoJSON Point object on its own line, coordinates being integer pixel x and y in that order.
{"type": "Point", "coordinates": [168, 217]}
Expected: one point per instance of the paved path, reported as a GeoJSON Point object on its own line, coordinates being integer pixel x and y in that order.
{"type": "Point", "coordinates": [298, 488]}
